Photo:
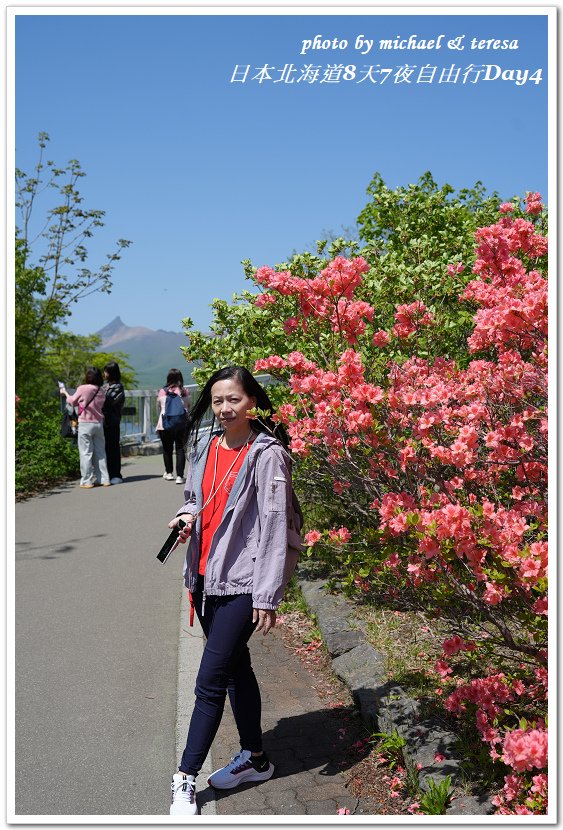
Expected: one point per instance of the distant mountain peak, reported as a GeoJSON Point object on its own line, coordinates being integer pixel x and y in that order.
{"type": "Point", "coordinates": [112, 328]}
{"type": "Point", "coordinates": [118, 332]}
{"type": "Point", "coordinates": [150, 352]}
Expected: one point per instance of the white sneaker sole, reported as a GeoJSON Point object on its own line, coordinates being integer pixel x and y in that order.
{"type": "Point", "coordinates": [183, 812]}
{"type": "Point", "coordinates": [242, 778]}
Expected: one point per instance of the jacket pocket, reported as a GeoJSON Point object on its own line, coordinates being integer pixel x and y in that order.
{"type": "Point", "coordinates": [276, 495]}
{"type": "Point", "coordinates": [249, 535]}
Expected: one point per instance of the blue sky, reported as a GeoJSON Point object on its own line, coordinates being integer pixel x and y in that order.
{"type": "Point", "coordinates": [201, 173]}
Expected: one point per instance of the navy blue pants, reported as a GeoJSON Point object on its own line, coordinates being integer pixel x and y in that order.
{"type": "Point", "coordinates": [225, 668]}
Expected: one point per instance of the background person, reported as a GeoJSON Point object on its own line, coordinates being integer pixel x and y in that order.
{"type": "Point", "coordinates": [237, 501]}
{"type": "Point", "coordinates": [176, 436]}
{"type": "Point", "coordinates": [89, 398]}
{"type": "Point", "coordinates": [115, 398]}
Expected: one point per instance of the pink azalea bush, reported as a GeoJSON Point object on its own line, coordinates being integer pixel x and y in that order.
{"type": "Point", "coordinates": [442, 471]}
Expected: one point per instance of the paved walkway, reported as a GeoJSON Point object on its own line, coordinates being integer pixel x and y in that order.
{"type": "Point", "coordinates": [96, 623]}
{"type": "Point", "coordinates": [306, 740]}
{"type": "Point", "coordinates": [105, 669]}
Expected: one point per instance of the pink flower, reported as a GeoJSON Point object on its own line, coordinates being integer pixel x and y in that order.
{"type": "Point", "coordinates": [533, 203]}
{"type": "Point", "coordinates": [312, 537]}
{"type": "Point", "coordinates": [299, 447]}
{"type": "Point", "coordinates": [410, 317]}
{"type": "Point", "coordinates": [380, 338]}
{"type": "Point", "coordinates": [264, 300]}
{"type": "Point", "coordinates": [343, 811]}
{"type": "Point", "coordinates": [525, 749]}
{"type": "Point", "coordinates": [539, 784]}
{"type": "Point", "coordinates": [456, 644]}
{"type": "Point", "coordinates": [442, 668]}
{"type": "Point", "coordinates": [438, 757]}
{"type": "Point", "coordinates": [291, 324]}
{"type": "Point", "coordinates": [340, 536]}
{"type": "Point", "coordinates": [506, 207]}
{"type": "Point", "coordinates": [340, 486]}
{"type": "Point", "coordinates": [270, 363]}
{"type": "Point", "coordinates": [452, 646]}
{"type": "Point", "coordinates": [493, 594]}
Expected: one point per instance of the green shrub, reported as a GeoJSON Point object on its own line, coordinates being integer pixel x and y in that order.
{"type": "Point", "coordinates": [42, 456]}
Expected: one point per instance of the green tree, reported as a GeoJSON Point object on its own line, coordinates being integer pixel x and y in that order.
{"type": "Point", "coordinates": [408, 236]}
{"type": "Point", "coordinates": [51, 274]}
{"type": "Point", "coordinates": [46, 288]}
{"type": "Point", "coordinates": [411, 235]}
{"type": "Point", "coordinates": [71, 353]}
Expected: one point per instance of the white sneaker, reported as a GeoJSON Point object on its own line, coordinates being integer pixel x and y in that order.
{"type": "Point", "coordinates": [183, 795]}
{"type": "Point", "coordinates": [179, 480]}
{"type": "Point", "coordinates": [240, 769]}
{"type": "Point", "coordinates": [168, 477]}
{"type": "Point", "coordinates": [116, 480]}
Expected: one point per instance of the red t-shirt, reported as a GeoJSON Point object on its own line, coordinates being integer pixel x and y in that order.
{"type": "Point", "coordinates": [213, 513]}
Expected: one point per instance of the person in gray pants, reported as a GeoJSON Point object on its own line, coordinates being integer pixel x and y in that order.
{"type": "Point", "coordinates": [89, 398]}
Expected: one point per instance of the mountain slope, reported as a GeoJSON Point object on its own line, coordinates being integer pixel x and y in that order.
{"type": "Point", "coordinates": [151, 353]}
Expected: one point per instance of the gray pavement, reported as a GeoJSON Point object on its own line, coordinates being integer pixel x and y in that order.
{"type": "Point", "coordinates": [106, 665]}
{"type": "Point", "coordinates": [97, 625]}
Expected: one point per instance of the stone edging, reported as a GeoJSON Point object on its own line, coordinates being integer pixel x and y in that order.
{"type": "Point", "coordinates": [382, 703]}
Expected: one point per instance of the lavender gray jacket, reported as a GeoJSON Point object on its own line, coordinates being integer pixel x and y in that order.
{"type": "Point", "coordinates": [255, 548]}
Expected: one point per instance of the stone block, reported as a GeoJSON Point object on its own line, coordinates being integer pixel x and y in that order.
{"type": "Point", "coordinates": [471, 805]}
{"type": "Point", "coordinates": [333, 615]}
{"type": "Point", "coordinates": [360, 668]}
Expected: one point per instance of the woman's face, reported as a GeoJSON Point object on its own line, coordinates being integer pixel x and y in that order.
{"type": "Point", "coordinates": [230, 404]}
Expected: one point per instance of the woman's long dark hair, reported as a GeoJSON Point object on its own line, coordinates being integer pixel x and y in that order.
{"type": "Point", "coordinates": [175, 378]}
{"type": "Point", "coordinates": [113, 372]}
{"type": "Point", "coordinates": [202, 406]}
{"type": "Point", "coordinates": [93, 376]}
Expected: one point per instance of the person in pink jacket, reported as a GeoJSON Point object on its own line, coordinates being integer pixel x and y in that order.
{"type": "Point", "coordinates": [89, 398]}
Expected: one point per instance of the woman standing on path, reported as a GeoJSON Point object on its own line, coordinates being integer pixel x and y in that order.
{"type": "Point", "coordinates": [176, 435]}
{"type": "Point", "coordinates": [90, 397]}
{"type": "Point", "coordinates": [238, 512]}
{"type": "Point", "coordinates": [115, 398]}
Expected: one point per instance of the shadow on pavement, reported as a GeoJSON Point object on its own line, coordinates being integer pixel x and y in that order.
{"type": "Point", "coordinates": [55, 490]}
{"type": "Point", "coordinates": [24, 550]}
{"type": "Point", "coordinates": [321, 741]}
{"type": "Point", "coordinates": [206, 796]}
{"type": "Point", "coordinates": [129, 479]}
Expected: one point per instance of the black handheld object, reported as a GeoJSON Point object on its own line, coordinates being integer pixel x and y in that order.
{"type": "Point", "coordinates": [170, 543]}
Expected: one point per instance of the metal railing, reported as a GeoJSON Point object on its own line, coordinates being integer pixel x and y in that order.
{"type": "Point", "coordinates": [139, 416]}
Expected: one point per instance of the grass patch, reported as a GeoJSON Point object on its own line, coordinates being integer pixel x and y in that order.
{"type": "Point", "coordinates": [409, 643]}
{"type": "Point", "coordinates": [293, 599]}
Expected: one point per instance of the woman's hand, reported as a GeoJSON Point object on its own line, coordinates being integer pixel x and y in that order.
{"type": "Point", "coordinates": [265, 619]}
{"type": "Point", "coordinates": [185, 532]}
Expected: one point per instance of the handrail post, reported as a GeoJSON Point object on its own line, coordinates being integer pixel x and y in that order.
{"type": "Point", "coordinates": [146, 416]}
